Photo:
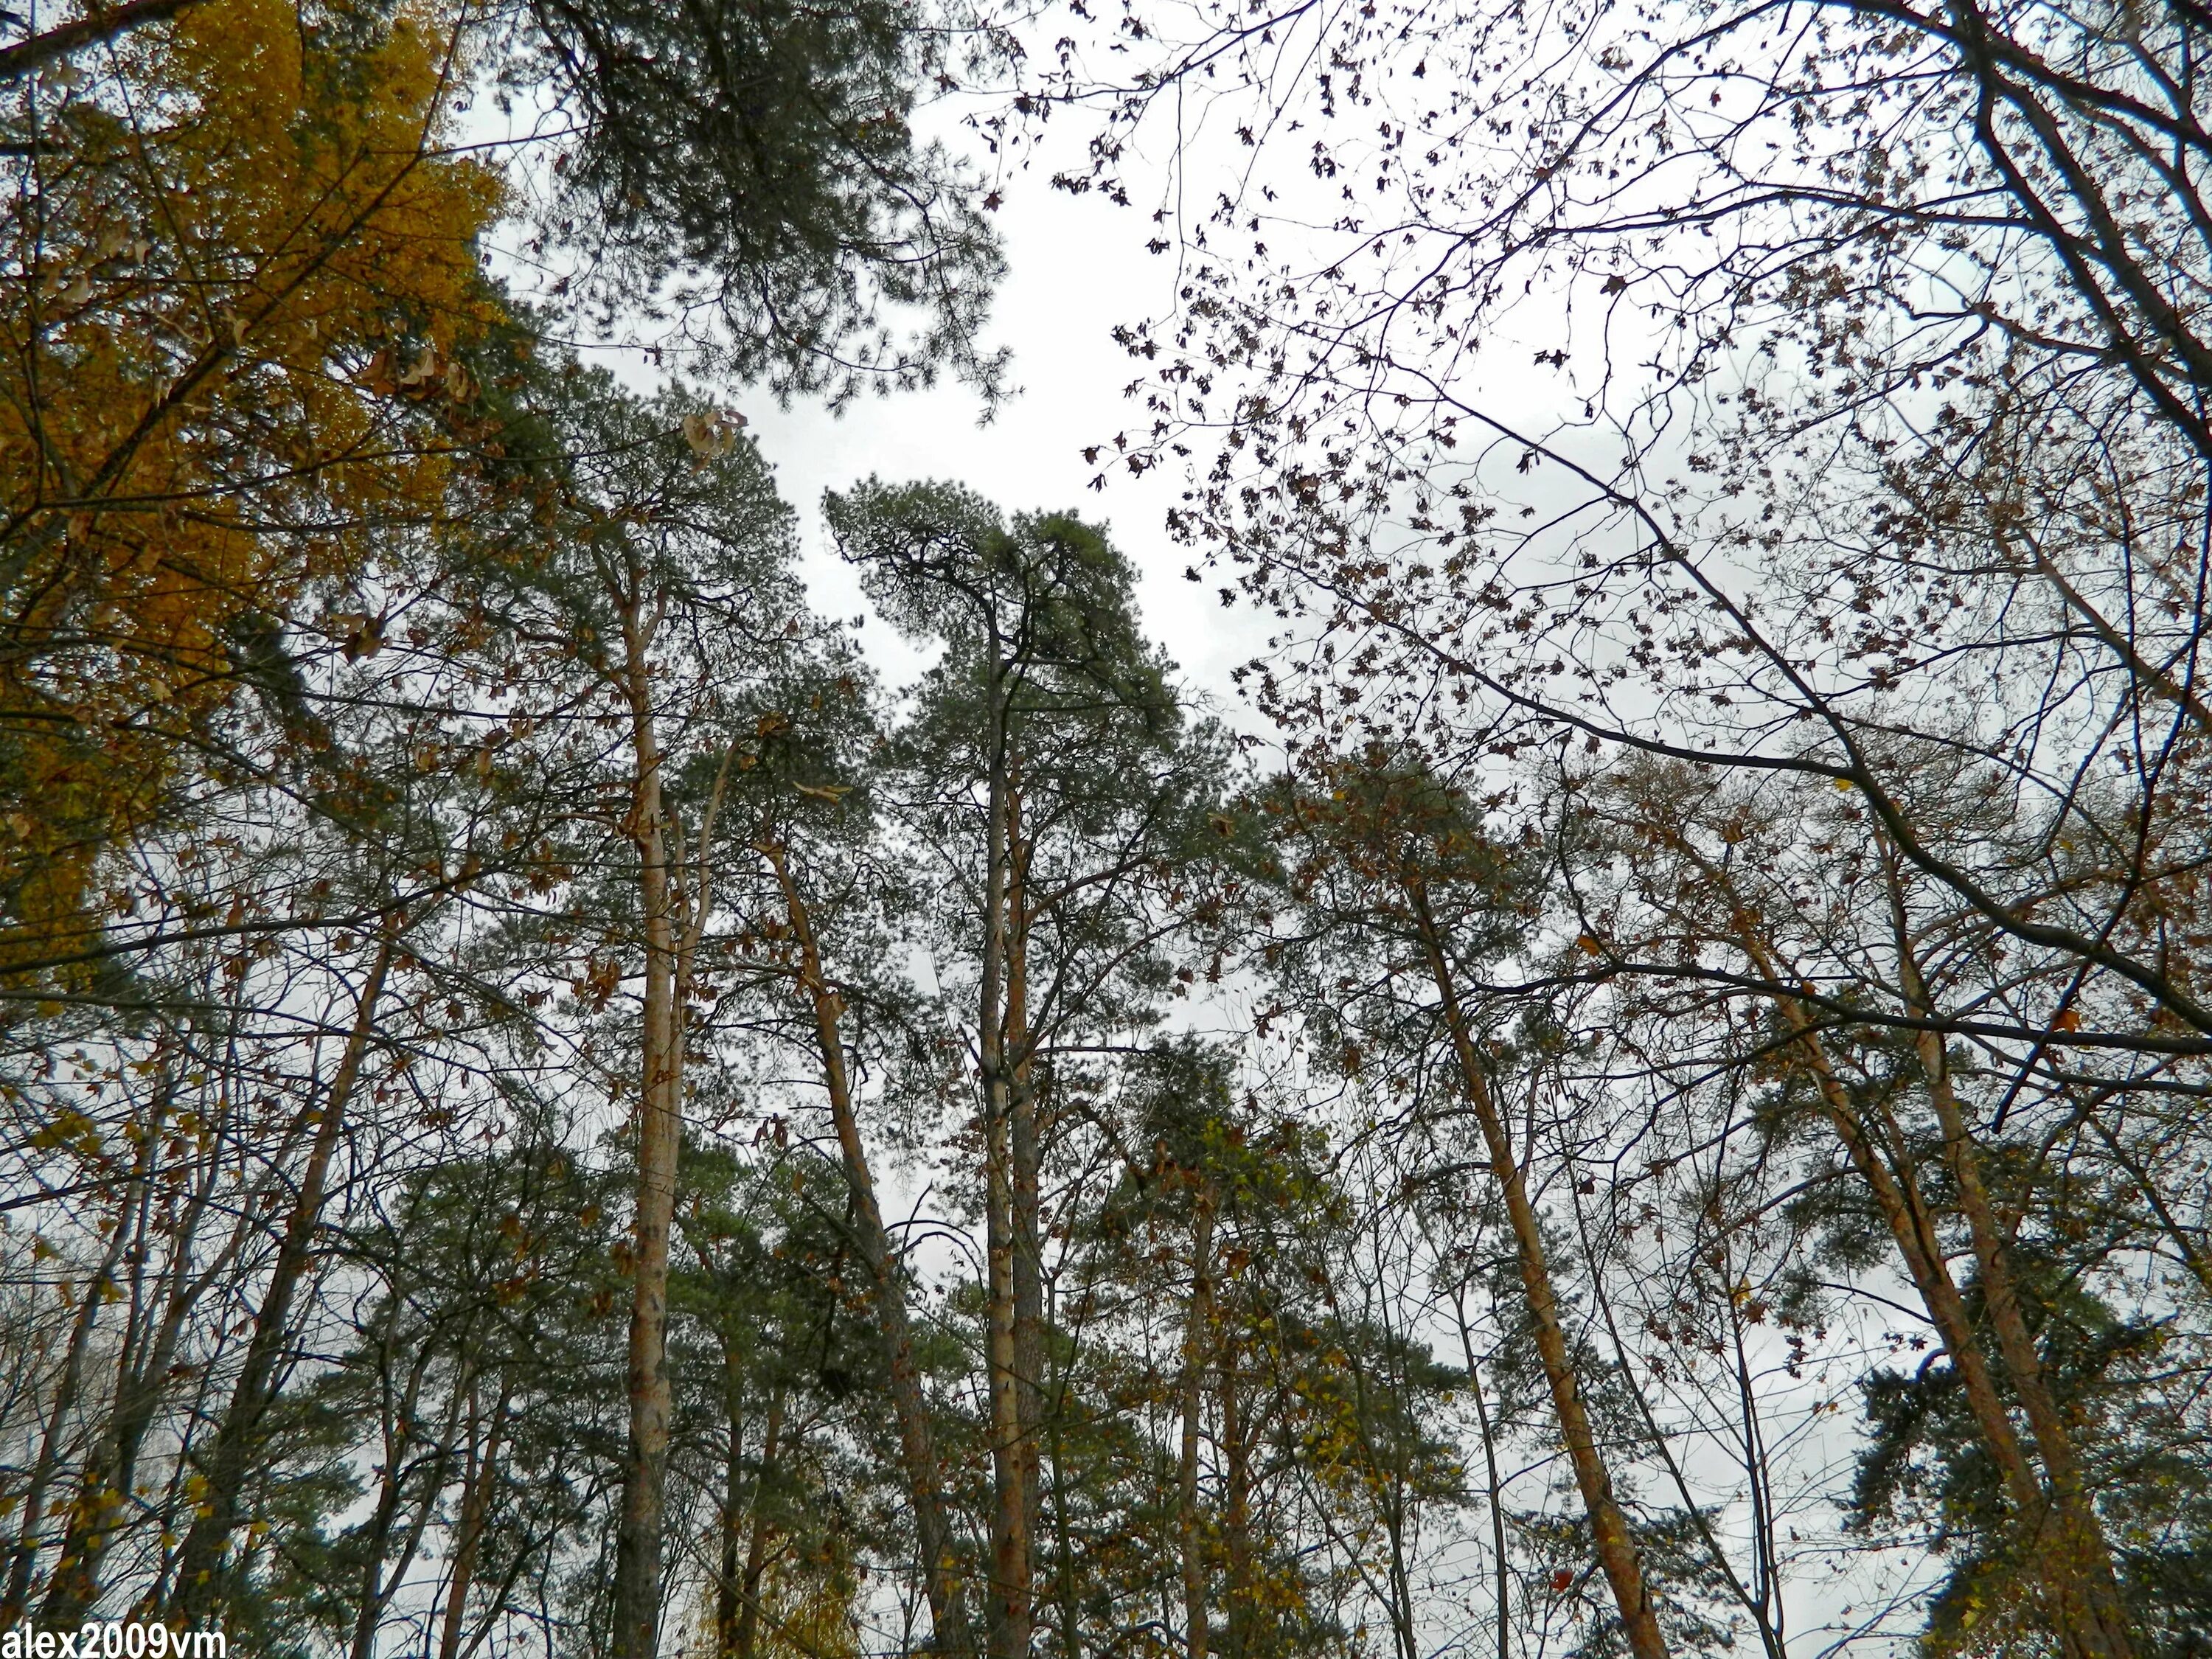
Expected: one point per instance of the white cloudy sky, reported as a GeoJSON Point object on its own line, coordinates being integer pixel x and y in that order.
{"type": "Point", "coordinates": [1076, 266]}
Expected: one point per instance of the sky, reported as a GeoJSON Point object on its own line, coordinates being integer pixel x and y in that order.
{"type": "Point", "coordinates": [1076, 266]}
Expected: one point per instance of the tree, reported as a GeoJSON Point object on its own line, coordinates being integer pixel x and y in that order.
{"type": "Point", "coordinates": [751, 167]}
{"type": "Point", "coordinates": [1051, 720]}
{"type": "Point", "coordinates": [1926, 1462]}
{"type": "Point", "coordinates": [1872, 381]}
{"type": "Point", "coordinates": [1929, 1182]}
{"type": "Point", "coordinates": [650, 570]}
{"type": "Point", "coordinates": [1391, 852]}
{"type": "Point", "coordinates": [231, 372]}
{"type": "Point", "coordinates": [1278, 1433]}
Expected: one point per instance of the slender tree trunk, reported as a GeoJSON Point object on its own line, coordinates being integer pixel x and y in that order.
{"type": "Point", "coordinates": [28, 1542]}
{"type": "Point", "coordinates": [478, 1484]}
{"type": "Point", "coordinates": [141, 1368]}
{"type": "Point", "coordinates": [1495, 1486]}
{"type": "Point", "coordinates": [1768, 1609]}
{"type": "Point", "coordinates": [1617, 1553]}
{"type": "Point", "coordinates": [1025, 1155]}
{"type": "Point", "coordinates": [1010, 1606]}
{"type": "Point", "coordinates": [99, 1512]}
{"type": "Point", "coordinates": [1197, 1337]}
{"type": "Point", "coordinates": [2050, 1542]}
{"type": "Point", "coordinates": [392, 1486]}
{"type": "Point", "coordinates": [24, 1560]}
{"type": "Point", "coordinates": [729, 1559]}
{"type": "Point", "coordinates": [1071, 1643]}
{"type": "Point", "coordinates": [941, 1562]}
{"type": "Point", "coordinates": [1240, 1604]}
{"type": "Point", "coordinates": [1010, 1508]}
{"type": "Point", "coordinates": [638, 1541]}
{"type": "Point", "coordinates": [748, 1594]}
{"type": "Point", "coordinates": [1911, 1223]}
{"type": "Point", "coordinates": [2075, 1537]}
{"type": "Point", "coordinates": [198, 1587]}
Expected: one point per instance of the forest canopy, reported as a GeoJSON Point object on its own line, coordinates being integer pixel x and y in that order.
{"type": "Point", "coordinates": [1633, 1082]}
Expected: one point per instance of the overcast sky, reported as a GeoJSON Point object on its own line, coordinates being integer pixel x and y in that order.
{"type": "Point", "coordinates": [1076, 266]}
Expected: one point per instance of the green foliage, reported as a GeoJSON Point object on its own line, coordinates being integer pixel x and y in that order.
{"type": "Point", "coordinates": [1925, 1468]}
{"type": "Point", "coordinates": [754, 160]}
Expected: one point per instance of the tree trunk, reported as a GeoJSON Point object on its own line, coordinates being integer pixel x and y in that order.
{"type": "Point", "coordinates": [1198, 1325]}
{"type": "Point", "coordinates": [24, 1560]}
{"type": "Point", "coordinates": [1617, 1553]}
{"type": "Point", "coordinates": [1495, 1487]}
{"type": "Point", "coordinates": [1010, 1605]}
{"type": "Point", "coordinates": [198, 1587]}
{"type": "Point", "coordinates": [1905, 1211]}
{"type": "Point", "coordinates": [477, 1486]}
{"type": "Point", "coordinates": [729, 1556]}
{"type": "Point", "coordinates": [917, 1439]}
{"type": "Point", "coordinates": [2074, 1545]}
{"type": "Point", "coordinates": [1009, 1622]}
{"type": "Point", "coordinates": [748, 1594]}
{"type": "Point", "coordinates": [399, 1428]}
{"type": "Point", "coordinates": [638, 1542]}
{"type": "Point", "coordinates": [1070, 1641]}
{"type": "Point", "coordinates": [1241, 1603]}
{"type": "Point", "coordinates": [141, 1368]}
{"type": "Point", "coordinates": [1025, 1155]}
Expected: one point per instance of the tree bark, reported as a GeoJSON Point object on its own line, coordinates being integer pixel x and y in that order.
{"type": "Point", "coordinates": [730, 1556]}
{"type": "Point", "coordinates": [1911, 1223]}
{"type": "Point", "coordinates": [24, 1560]}
{"type": "Point", "coordinates": [1025, 1154]}
{"type": "Point", "coordinates": [1198, 1324]}
{"type": "Point", "coordinates": [941, 1578]}
{"type": "Point", "coordinates": [1010, 1606]}
{"type": "Point", "coordinates": [2075, 1537]}
{"type": "Point", "coordinates": [1618, 1556]}
{"type": "Point", "coordinates": [1240, 1603]}
{"type": "Point", "coordinates": [747, 1632]}
{"type": "Point", "coordinates": [477, 1486]}
{"type": "Point", "coordinates": [638, 1542]}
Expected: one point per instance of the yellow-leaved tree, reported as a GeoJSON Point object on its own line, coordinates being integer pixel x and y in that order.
{"type": "Point", "coordinates": [242, 258]}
